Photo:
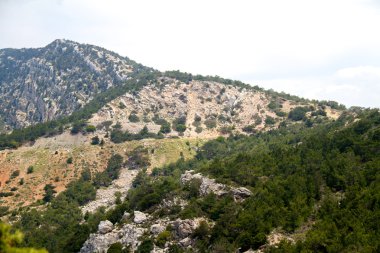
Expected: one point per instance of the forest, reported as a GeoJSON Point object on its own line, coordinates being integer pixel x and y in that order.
{"type": "Point", "coordinates": [321, 184]}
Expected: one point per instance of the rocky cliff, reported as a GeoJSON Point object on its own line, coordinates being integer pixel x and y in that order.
{"type": "Point", "coordinates": [37, 85]}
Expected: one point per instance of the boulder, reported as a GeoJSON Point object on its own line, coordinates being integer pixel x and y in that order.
{"type": "Point", "coordinates": [241, 193]}
{"type": "Point", "coordinates": [139, 217]}
{"type": "Point", "coordinates": [105, 227]}
{"type": "Point", "coordinates": [157, 228]}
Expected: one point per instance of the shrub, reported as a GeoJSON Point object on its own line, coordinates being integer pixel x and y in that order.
{"type": "Point", "coordinates": [30, 169]}
{"type": "Point", "coordinates": [210, 123]}
{"type": "Point", "coordinates": [95, 140]}
{"type": "Point", "coordinates": [145, 247]}
{"type": "Point", "coordinates": [69, 160]}
{"type": "Point", "coordinates": [90, 128]}
{"type": "Point", "coordinates": [165, 128]}
{"type": "Point", "coordinates": [49, 192]}
{"type": "Point", "coordinates": [198, 129]}
{"type": "Point", "coordinates": [15, 174]}
{"type": "Point", "coordinates": [162, 238]}
{"type": "Point", "coordinates": [133, 118]}
{"type": "Point", "coordinates": [249, 129]}
{"type": "Point", "coordinates": [122, 105]}
{"type": "Point", "coordinates": [269, 120]}
{"type": "Point", "coordinates": [180, 128]}
{"type": "Point", "coordinates": [298, 113]}
{"type": "Point", "coordinates": [179, 124]}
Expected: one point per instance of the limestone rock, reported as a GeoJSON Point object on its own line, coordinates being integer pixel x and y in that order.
{"type": "Point", "coordinates": [157, 228]}
{"type": "Point", "coordinates": [139, 217]}
{"type": "Point", "coordinates": [105, 227]}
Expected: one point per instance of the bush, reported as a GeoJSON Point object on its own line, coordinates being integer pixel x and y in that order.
{"type": "Point", "coordinates": [15, 174]}
{"type": "Point", "coordinates": [162, 238]}
{"type": "Point", "coordinates": [249, 129]}
{"type": "Point", "coordinates": [30, 170]}
{"type": "Point", "coordinates": [49, 192]}
{"type": "Point", "coordinates": [269, 120]}
{"type": "Point", "coordinates": [133, 118]}
{"type": "Point", "coordinates": [69, 160]}
{"type": "Point", "coordinates": [90, 128]}
{"type": "Point", "coordinates": [145, 247]}
{"type": "Point", "coordinates": [180, 128]}
{"type": "Point", "coordinates": [298, 113]}
{"type": "Point", "coordinates": [95, 140]}
{"type": "Point", "coordinates": [210, 123]}
{"type": "Point", "coordinates": [165, 128]}
{"type": "Point", "coordinates": [179, 124]}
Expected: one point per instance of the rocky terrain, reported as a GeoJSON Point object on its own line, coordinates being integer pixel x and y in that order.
{"type": "Point", "coordinates": [38, 85]}
{"type": "Point", "coordinates": [133, 226]}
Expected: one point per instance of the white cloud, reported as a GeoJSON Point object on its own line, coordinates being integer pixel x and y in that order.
{"type": "Point", "coordinates": [303, 43]}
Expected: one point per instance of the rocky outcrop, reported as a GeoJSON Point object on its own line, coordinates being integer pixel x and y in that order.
{"type": "Point", "coordinates": [208, 185]}
{"type": "Point", "coordinates": [139, 217]}
{"type": "Point", "coordinates": [105, 227]}
{"type": "Point", "coordinates": [106, 196]}
{"type": "Point", "coordinates": [100, 242]}
{"type": "Point", "coordinates": [37, 85]}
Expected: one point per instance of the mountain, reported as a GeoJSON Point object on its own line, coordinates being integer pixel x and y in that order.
{"type": "Point", "coordinates": [100, 154]}
{"type": "Point", "coordinates": [38, 85]}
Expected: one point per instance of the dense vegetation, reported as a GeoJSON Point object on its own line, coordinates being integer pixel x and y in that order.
{"type": "Point", "coordinates": [324, 178]}
{"type": "Point", "coordinates": [327, 176]}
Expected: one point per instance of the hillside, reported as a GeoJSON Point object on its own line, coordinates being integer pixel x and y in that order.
{"type": "Point", "coordinates": [102, 154]}
{"type": "Point", "coordinates": [38, 85]}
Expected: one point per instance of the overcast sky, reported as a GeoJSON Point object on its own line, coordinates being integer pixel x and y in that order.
{"type": "Point", "coordinates": [322, 49]}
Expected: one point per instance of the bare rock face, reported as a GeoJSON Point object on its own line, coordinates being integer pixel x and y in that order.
{"type": "Point", "coordinates": [139, 217]}
{"type": "Point", "coordinates": [184, 228]}
{"type": "Point", "coordinates": [105, 227]}
{"type": "Point", "coordinates": [209, 185]}
{"type": "Point", "coordinates": [157, 228]}
{"type": "Point", "coordinates": [42, 84]}
{"type": "Point", "coordinates": [241, 193]}
{"type": "Point", "coordinates": [129, 234]}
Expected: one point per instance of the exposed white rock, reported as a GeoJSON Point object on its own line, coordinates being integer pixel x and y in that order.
{"type": "Point", "coordinates": [105, 227]}
{"type": "Point", "coordinates": [209, 185]}
{"type": "Point", "coordinates": [139, 217]}
{"type": "Point", "coordinates": [106, 196]}
{"type": "Point", "coordinates": [157, 228]}
{"type": "Point", "coordinates": [127, 235]}
{"type": "Point", "coordinates": [186, 242]}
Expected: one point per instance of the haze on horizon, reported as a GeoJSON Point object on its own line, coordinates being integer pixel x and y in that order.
{"type": "Point", "coordinates": [317, 49]}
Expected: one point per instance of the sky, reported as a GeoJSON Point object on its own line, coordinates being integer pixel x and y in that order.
{"type": "Point", "coordinates": [318, 49]}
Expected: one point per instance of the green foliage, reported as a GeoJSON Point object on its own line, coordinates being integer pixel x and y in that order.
{"type": "Point", "coordinates": [49, 192]}
{"type": "Point", "coordinates": [138, 158]}
{"type": "Point", "coordinates": [69, 160]}
{"type": "Point", "coordinates": [90, 128]}
{"type": "Point", "coordinates": [15, 174]}
{"type": "Point", "coordinates": [117, 136]}
{"type": "Point", "coordinates": [133, 118]}
{"type": "Point", "coordinates": [10, 240]}
{"type": "Point", "coordinates": [162, 238]}
{"type": "Point", "coordinates": [298, 113]}
{"type": "Point", "coordinates": [110, 173]}
{"type": "Point", "coordinates": [165, 128]}
{"type": "Point", "coordinates": [269, 120]}
{"type": "Point", "coordinates": [146, 246]}
{"type": "Point", "coordinates": [95, 140]}
{"type": "Point", "coordinates": [179, 124]}
{"type": "Point", "coordinates": [210, 123]}
{"type": "Point", "coordinates": [30, 170]}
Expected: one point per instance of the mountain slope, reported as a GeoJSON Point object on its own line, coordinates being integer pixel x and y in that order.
{"type": "Point", "coordinates": [38, 85]}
